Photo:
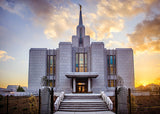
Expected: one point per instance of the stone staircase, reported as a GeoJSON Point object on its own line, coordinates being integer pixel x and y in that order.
{"type": "Point", "coordinates": [83, 103]}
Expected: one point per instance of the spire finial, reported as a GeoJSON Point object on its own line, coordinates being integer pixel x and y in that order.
{"type": "Point", "coordinates": [80, 6]}
{"type": "Point", "coordinates": [80, 15]}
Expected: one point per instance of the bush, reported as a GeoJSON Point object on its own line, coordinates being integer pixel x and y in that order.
{"type": "Point", "coordinates": [33, 105]}
{"type": "Point", "coordinates": [20, 89]}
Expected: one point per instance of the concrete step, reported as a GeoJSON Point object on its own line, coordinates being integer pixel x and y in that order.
{"type": "Point", "coordinates": [82, 97]}
{"type": "Point", "coordinates": [82, 107]}
{"type": "Point", "coordinates": [82, 110]}
{"type": "Point", "coordinates": [82, 103]}
{"type": "Point", "coordinates": [88, 105]}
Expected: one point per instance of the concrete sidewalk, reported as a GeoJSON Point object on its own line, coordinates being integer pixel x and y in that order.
{"type": "Point", "coordinates": [101, 112]}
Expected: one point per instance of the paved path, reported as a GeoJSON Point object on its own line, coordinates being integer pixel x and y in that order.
{"type": "Point", "coordinates": [101, 112]}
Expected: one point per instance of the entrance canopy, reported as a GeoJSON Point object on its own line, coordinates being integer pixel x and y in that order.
{"type": "Point", "coordinates": [82, 74]}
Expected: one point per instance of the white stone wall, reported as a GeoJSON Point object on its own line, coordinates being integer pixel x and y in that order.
{"type": "Point", "coordinates": [75, 41]}
{"type": "Point", "coordinates": [37, 67]}
{"type": "Point", "coordinates": [97, 65]}
{"type": "Point", "coordinates": [57, 69]}
{"type": "Point", "coordinates": [65, 65]}
{"type": "Point", "coordinates": [86, 41]}
{"type": "Point", "coordinates": [125, 66]}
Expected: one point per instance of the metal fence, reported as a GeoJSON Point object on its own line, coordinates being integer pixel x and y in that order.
{"type": "Point", "coordinates": [140, 102]}
{"type": "Point", "coordinates": [144, 103]}
{"type": "Point", "coordinates": [18, 104]}
{"type": "Point", "coordinates": [24, 104]}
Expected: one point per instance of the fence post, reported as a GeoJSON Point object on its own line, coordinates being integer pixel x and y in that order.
{"type": "Point", "coordinates": [39, 101]}
{"type": "Point", "coordinates": [129, 99]}
{"type": "Point", "coordinates": [52, 100]}
{"type": "Point", "coordinates": [7, 104]}
{"type": "Point", "coordinates": [116, 101]}
{"type": "Point", "coordinates": [159, 92]}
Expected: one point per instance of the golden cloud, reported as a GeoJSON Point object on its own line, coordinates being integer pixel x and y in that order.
{"type": "Point", "coordinates": [59, 19]}
{"type": "Point", "coordinates": [146, 36]}
{"type": "Point", "coordinates": [60, 23]}
{"type": "Point", "coordinates": [4, 56]}
{"type": "Point", "coordinates": [120, 8]}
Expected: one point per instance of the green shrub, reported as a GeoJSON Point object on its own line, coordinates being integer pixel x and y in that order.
{"type": "Point", "coordinates": [20, 89]}
{"type": "Point", "coordinates": [33, 105]}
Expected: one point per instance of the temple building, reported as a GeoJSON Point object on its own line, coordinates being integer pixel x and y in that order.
{"type": "Point", "coordinates": [80, 66]}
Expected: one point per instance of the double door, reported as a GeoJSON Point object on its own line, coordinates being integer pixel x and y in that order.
{"type": "Point", "coordinates": [81, 85]}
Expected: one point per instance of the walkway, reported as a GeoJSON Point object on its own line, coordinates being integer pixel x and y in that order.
{"type": "Point", "coordinates": [101, 112]}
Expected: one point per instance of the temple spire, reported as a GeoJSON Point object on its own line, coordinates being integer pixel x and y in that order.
{"type": "Point", "coordinates": [80, 16]}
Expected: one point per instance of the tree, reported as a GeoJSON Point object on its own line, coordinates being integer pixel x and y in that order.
{"type": "Point", "coordinates": [120, 81]}
{"type": "Point", "coordinates": [20, 89]}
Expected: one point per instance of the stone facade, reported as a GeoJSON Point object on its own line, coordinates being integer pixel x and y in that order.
{"type": "Point", "coordinates": [108, 64]}
{"type": "Point", "coordinates": [37, 67]}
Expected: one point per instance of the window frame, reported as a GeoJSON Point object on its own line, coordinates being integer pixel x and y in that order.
{"type": "Point", "coordinates": [84, 65]}
{"type": "Point", "coordinates": [111, 64]}
{"type": "Point", "coordinates": [51, 63]}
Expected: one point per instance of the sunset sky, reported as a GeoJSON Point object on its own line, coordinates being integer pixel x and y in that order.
{"type": "Point", "coordinates": [26, 24]}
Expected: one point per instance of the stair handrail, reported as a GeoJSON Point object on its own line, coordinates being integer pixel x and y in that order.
{"type": "Point", "coordinates": [58, 101]}
{"type": "Point", "coordinates": [107, 100]}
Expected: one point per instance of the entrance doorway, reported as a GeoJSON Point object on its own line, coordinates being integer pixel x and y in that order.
{"type": "Point", "coordinates": [81, 85]}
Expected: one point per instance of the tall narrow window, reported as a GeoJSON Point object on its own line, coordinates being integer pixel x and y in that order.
{"type": "Point", "coordinates": [51, 65]}
{"type": "Point", "coordinates": [112, 83]}
{"type": "Point", "coordinates": [48, 63]}
{"type": "Point", "coordinates": [114, 65]}
{"type": "Point", "coordinates": [54, 64]}
{"type": "Point", "coordinates": [111, 67]}
{"type": "Point", "coordinates": [85, 62]}
{"type": "Point", "coordinates": [111, 64]}
{"type": "Point", "coordinates": [81, 62]}
{"type": "Point", "coordinates": [77, 62]}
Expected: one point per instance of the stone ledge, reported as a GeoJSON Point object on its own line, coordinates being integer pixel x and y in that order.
{"type": "Point", "coordinates": [82, 74]}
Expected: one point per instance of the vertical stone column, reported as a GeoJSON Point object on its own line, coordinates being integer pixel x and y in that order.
{"type": "Point", "coordinates": [89, 85]}
{"type": "Point", "coordinates": [74, 85]}
{"type": "Point", "coordinates": [45, 100]}
{"type": "Point", "coordinates": [122, 100]}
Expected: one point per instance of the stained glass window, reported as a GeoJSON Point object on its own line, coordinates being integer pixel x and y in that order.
{"type": "Point", "coordinates": [54, 65]}
{"type": "Point", "coordinates": [51, 65]}
{"type": "Point", "coordinates": [111, 83]}
{"type": "Point", "coordinates": [111, 64]}
{"type": "Point", "coordinates": [81, 62]}
{"type": "Point", "coordinates": [85, 62]}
